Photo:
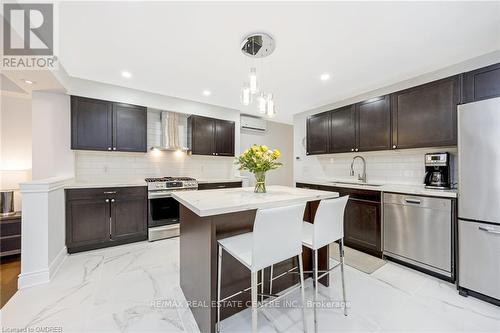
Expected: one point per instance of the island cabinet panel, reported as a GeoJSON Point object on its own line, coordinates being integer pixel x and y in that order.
{"type": "Point", "coordinates": [102, 217]}
{"type": "Point", "coordinates": [373, 124]}
{"type": "Point", "coordinates": [214, 186]}
{"type": "Point", "coordinates": [426, 116]}
{"type": "Point", "coordinates": [209, 136]}
{"type": "Point", "coordinates": [129, 128]}
{"type": "Point", "coordinates": [482, 83]}
{"type": "Point", "coordinates": [343, 130]}
{"type": "Point", "coordinates": [318, 133]}
{"type": "Point", "coordinates": [105, 125]}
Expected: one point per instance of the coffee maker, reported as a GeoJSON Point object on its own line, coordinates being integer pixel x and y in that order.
{"type": "Point", "coordinates": [438, 171]}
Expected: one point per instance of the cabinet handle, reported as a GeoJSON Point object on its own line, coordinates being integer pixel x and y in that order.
{"type": "Point", "coordinates": [109, 148]}
{"type": "Point", "coordinates": [413, 201]}
{"type": "Point", "coordinates": [489, 230]}
{"type": "Point", "coordinates": [394, 147]}
{"type": "Point", "coordinates": [356, 149]}
{"type": "Point", "coordinates": [110, 192]}
{"type": "Point", "coordinates": [221, 186]}
{"type": "Point", "coordinates": [114, 148]}
{"type": "Point", "coordinates": [352, 149]}
{"type": "Point", "coordinates": [107, 200]}
{"type": "Point", "coordinates": [112, 200]}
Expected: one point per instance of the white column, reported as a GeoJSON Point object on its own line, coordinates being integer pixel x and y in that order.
{"type": "Point", "coordinates": [43, 230]}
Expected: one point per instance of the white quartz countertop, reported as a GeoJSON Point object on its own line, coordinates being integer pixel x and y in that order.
{"type": "Point", "coordinates": [76, 185]}
{"type": "Point", "coordinates": [214, 202]}
{"type": "Point", "coordinates": [395, 188]}
{"type": "Point", "coordinates": [221, 180]}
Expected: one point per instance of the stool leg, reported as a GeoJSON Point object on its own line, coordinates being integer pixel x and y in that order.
{"type": "Point", "coordinates": [254, 283]}
{"type": "Point", "coordinates": [301, 273]}
{"type": "Point", "coordinates": [262, 286]}
{"type": "Point", "coordinates": [219, 271]}
{"type": "Point", "coordinates": [341, 252]}
{"type": "Point", "coordinates": [271, 281]}
{"type": "Point", "coordinates": [315, 279]}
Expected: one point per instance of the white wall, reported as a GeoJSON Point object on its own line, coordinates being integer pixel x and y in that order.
{"type": "Point", "coordinates": [52, 156]}
{"type": "Point", "coordinates": [395, 166]}
{"type": "Point", "coordinates": [278, 136]}
{"type": "Point", "coordinates": [15, 142]}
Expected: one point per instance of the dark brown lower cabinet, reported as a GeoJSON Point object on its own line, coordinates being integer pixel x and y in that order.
{"type": "Point", "coordinates": [214, 186]}
{"type": "Point", "coordinates": [362, 218]}
{"type": "Point", "coordinates": [102, 217]}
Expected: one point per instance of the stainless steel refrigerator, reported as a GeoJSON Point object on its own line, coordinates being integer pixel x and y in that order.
{"type": "Point", "coordinates": [479, 199]}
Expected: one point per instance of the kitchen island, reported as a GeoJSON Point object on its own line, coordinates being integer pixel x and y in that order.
{"type": "Point", "coordinates": [205, 217]}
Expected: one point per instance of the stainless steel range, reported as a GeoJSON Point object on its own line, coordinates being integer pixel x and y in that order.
{"type": "Point", "coordinates": [163, 210]}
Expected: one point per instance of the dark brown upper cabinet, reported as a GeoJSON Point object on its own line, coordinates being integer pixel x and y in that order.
{"type": "Point", "coordinates": [91, 124]}
{"type": "Point", "coordinates": [318, 133]}
{"type": "Point", "coordinates": [343, 130]}
{"type": "Point", "coordinates": [209, 136]}
{"type": "Point", "coordinates": [481, 84]}
{"type": "Point", "coordinates": [109, 126]}
{"type": "Point", "coordinates": [373, 124]}
{"type": "Point", "coordinates": [426, 115]}
{"type": "Point", "coordinates": [129, 128]}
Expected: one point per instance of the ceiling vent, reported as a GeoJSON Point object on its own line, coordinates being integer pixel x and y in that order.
{"type": "Point", "coordinates": [253, 124]}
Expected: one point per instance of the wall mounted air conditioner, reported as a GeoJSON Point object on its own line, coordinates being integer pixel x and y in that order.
{"type": "Point", "coordinates": [253, 123]}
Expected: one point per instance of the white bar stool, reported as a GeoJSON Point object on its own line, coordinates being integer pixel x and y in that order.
{"type": "Point", "coordinates": [328, 227]}
{"type": "Point", "coordinates": [276, 236]}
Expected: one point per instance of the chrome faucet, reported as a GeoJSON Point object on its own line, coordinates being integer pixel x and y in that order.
{"type": "Point", "coordinates": [360, 177]}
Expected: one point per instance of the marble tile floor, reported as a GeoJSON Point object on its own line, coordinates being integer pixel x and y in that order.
{"type": "Point", "coordinates": [124, 289]}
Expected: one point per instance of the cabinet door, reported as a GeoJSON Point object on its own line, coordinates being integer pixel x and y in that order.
{"type": "Point", "coordinates": [224, 137]}
{"type": "Point", "coordinates": [481, 84]}
{"type": "Point", "coordinates": [362, 226]}
{"type": "Point", "coordinates": [373, 124]}
{"type": "Point", "coordinates": [426, 116]}
{"type": "Point", "coordinates": [91, 124]}
{"type": "Point", "coordinates": [202, 135]}
{"type": "Point", "coordinates": [87, 222]}
{"type": "Point", "coordinates": [317, 133]}
{"type": "Point", "coordinates": [343, 130]}
{"type": "Point", "coordinates": [128, 216]}
{"type": "Point", "coordinates": [129, 128]}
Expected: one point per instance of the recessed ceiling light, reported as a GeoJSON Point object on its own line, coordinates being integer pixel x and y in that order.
{"type": "Point", "coordinates": [207, 92]}
{"type": "Point", "coordinates": [28, 81]}
{"type": "Point", "coordinates": [324, 77]}
{"type": "Point", "coordinates": [126, 74]}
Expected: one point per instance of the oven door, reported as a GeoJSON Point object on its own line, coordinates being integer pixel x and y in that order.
{"type": "Point", "coordinates": [162, 210]}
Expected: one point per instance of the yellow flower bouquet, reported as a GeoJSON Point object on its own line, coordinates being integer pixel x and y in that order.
{"type": "Point", "coordinates": [259, 160]}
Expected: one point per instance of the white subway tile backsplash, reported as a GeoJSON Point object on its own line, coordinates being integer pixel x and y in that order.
{"type": "Point", "coordinates": [397, 167]}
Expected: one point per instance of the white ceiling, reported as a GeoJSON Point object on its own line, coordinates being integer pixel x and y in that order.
{"type": "Point", "coordinates": [180, 49]}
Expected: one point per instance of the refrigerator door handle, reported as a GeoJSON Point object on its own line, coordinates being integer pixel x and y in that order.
{"type": "Point", "coordinates": [489, 230]}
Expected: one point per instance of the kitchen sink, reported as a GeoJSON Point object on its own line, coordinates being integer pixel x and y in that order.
{"type": "Point", "coordinates": [355, 183]}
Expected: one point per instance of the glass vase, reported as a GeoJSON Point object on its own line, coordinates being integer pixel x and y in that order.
{"type": "Point", "coordinates": [260, 182]}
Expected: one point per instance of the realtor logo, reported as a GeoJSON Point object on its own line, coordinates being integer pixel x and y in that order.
{"type": "Point", "coordinates": [28, 36]}
{"type": "Point", "coordinates": [28, 29]}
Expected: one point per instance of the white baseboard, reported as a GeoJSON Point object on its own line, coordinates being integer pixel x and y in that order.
{"type": "Point", "coordinates": [31, 279]}
{"type": "Point", "coordinates": [57, 262]}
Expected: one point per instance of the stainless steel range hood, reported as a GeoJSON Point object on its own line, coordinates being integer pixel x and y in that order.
{"type": "Point", "coordinates": [173, 135]}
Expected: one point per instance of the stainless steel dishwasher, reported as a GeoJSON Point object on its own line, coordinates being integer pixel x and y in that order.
{"type": "Point", "coordinates": [418, 230]}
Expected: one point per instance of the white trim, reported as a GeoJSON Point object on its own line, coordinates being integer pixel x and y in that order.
{"type": "Point", "coordinates": [57, 262]}
{"type": "Point", "coordinates": [32, 279]}
{"type": "Point", "coordinates": [45, 185]}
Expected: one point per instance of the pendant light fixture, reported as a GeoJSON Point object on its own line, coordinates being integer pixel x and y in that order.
{"type": "Point", "coordinates": [246, 97]}
{"type": "Point", "coordinates": [262, 103]}
{"type": "Point", "coordinates": [258, 45]}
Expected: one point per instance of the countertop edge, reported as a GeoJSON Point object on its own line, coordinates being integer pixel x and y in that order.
{"type": "Point", "coordinates": [392, 188]}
